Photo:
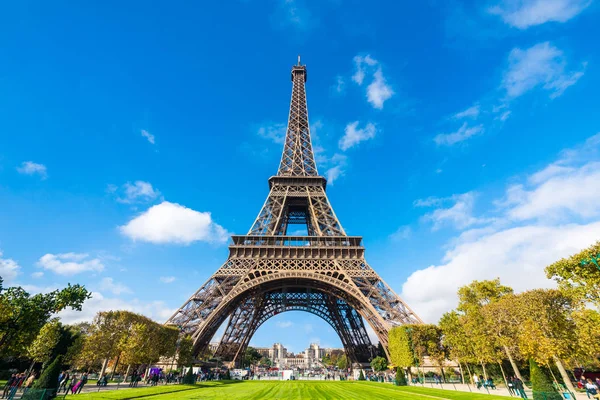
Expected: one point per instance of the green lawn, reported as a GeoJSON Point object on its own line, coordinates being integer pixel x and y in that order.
{"type": "Point", "coordinates": [288, 390]}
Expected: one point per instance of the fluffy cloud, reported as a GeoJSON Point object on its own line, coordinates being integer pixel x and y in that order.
{"type": "Point", "coordinates": [378, 91]}
{"type": "Point", "coordinates": [354, 135]}
{"type": "Point", "coordinates": [542, 65]}
{"type": "Point", "coordinates": [31, 168]}
{"type": "Point", "coordinates": [462, 134]}
{"type": "Point", "coordinates": [148, 136]}
{"type": "Point", "coordinates": [70, 263]}
{"type": "Point", "coordinates": [173, 223]}
{"type": "Point", "coordinates": [167, 279]}
{"type": "Point", "coordinates": [37, 275]}
{"type": "Point", "coordinates": [339, 85]}
{"type": "Point", "coordinates": [273, 131]}
{"type": "Point", "coordinates": [456, 211]}
{"type": "Point", "coordinates": [525, 13]}
{"type": "Point", "coordinates": [533, 227]}
{"type": "Point", "coordinates": [114, 287]}
{"type": "Point", "coordinates": [139, 191]}
{"type": "Point", "coordinates": [156, 310]}
{"type": "Point", "coordinates": [337, 164]}
{"type": "Point", "coordinates": [9, 269]}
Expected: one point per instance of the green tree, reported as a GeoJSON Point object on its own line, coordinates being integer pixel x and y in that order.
{"type": "Point", "coordinates": [588, 338]}
{"type": "Point", "coordinates": [42, 348]}
{"type": "Point", "coordinates": [185, 354]}
{"type": "Point", "coordinates": [379, 364]}
{"type": "Point", "coordinates": [579, 274]}
{"type": "Point", "coordinates": [342, 362]}
{"type": "Point", "coordinates": [542, 386]}
{"type": "Point", "coordinates": [188, 378]}
{"type": "Point", "coordinates": [400, 378]}
{"type": "Point", "coordinates": [49, 378]}
{"type": "Point", "coordinates": [22, 316]}
{"type": "Point", "coordinates": [400, 347]}
{"type": "Point", "coordinates": [252, 356]}
{"type": "Point", "coordinates": [547, 330]}
{"type": "Point", "coordinates": [361, 376]}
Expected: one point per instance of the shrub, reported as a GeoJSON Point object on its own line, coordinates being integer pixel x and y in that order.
{"type": "Point", "coordinates": [188, 378]}
{"type": "Point", "coordinates": [49, 378]}
{"type": "Point", "coordinates": [361, 377]}
{"type": "Point", "coordinates": [400, 378]}
{"type": "Point", "coordinates": [542, 386]}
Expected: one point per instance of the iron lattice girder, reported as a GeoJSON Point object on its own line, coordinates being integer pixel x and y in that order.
{"type": "Point", "coordinates": [267, 260]}
{"type": "Point", "coordinates": [342, 317]}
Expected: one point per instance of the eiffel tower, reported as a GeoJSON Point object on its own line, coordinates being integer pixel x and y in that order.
{"type": "Point", "coordinates": [269, 272]}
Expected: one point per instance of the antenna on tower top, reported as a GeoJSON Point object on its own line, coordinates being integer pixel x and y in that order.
{"type": "Point", "coordinates": [298, 59]}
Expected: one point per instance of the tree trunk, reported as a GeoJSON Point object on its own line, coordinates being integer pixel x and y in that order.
{"type": "Point", "coordinates": [503, 374]}
{"type": "Point", "coordinates": [462, 373]}
{"type": "Point", "coordinates": [563, 373]}
{"type": "Point", "coordinates": [104, 364]}
{"type": "Point", "coordinates": [127, 373]}
{"type": "Point", "coordinates": [513, 364]}
{"type": "Point", "coordinates": [485, 376]}
{"type": "Point", "coordinates": [112, 375]}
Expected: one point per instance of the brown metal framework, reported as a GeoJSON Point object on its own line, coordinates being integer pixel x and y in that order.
{"type": "Point", "coordinates": [268, 272]}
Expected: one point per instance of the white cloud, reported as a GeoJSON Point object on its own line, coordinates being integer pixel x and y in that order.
{"type": "Point", "coordinates": [378, 91]}
{"type": "Point", "coordinates": [336, 167]}
{"type": "Point", "coordinates": [284, 324]}
{"type": "Point", "coordinates": [156, 310]}
{"type": "Point", "coordinates": [462, 134]}
{"type": "Point", "coordinates": [540, 65]}
{"type": "Point", "coordinates": [139, 191]}
{"type": "Point", "coordinates": [148, 136]}
{"type": "Point", "coordinates": [339, 85]}
{"type": "Point", "coordinates": [167, 279]}
{"type": "Point", "coordinates": [402, 233]}
{"type": "Point", "coordinates": [37, 275]}
{"type": "Point", "coordinates": [459, 213]}
{"type": "Point", "coordinates": [523, 14]}
{"type": "Point", "coordinates": [9, 269]}
{"type": "Point", "coordinates": [353, 135]}
{"type": "Point", "coordinates": [273, 131]}
{"type": "Point", "coordinates": [113, 287]}
{"type": "Point", "coordinates": [471, 112]}
{"type": "Point", "coordinates": [552, 214]}
{"type": "Point", "coordinates": [70, 263]}
{"type": "Point", "coordinates": [31, 168]}
{"type": "Point", "coordinates": [173, 223]}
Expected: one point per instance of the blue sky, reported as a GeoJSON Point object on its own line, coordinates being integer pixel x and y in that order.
{"type": "Point", "coordinates": [460, 139]}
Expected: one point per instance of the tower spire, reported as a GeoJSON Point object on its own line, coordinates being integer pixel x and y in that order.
{"type": "Point", "coordinates": [298, 158]}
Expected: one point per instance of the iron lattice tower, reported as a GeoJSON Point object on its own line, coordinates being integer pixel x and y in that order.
{"type": "Point", "coordinates": [269, 272]}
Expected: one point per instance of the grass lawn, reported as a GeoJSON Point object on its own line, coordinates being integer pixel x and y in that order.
{"type": "Point", "coordinates": [288, 390]}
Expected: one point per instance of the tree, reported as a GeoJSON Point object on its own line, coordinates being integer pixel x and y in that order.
{"type": "Point", "coordinates": [400, 347]}
{"type": "Point", "coordinates": [542, 386]}
{"type": "Point", "coordinates": [342, 362]}
{"type": "Point", "coordinates": [545, 331]}
{"type": "Point", "coordinates": [188, 379]}
{"type": "Point", "coordinates": [588, 338]}
{"type": "Point", "coordinates": [251, 356]}
{"type": "Point", "coordinates": [400, 378]}
{"type": "Point", "coordinates": [185, 354]}
{"type": "Point", "coordinates": [427, 341]}
{"type": "Point", "coordinates": [579, 274]}
{"type": "Point", "coordinates": [22, 316]}
{"type": "Point", "coordinates": [472, 298]}
{"type": "Point", "coordinates": [456, 339]}
{"type": "Point", "coordinates": [361, 376]}
{"type": "Point", "coordinates": [379, 364]}
{"type": "Point", "coordinates": [42, 348]}
{"type": "Point", "coordinates": [49, 378]}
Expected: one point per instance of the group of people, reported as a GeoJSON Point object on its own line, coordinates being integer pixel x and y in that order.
{"type": "Point", "coordinates": [68, 382]}
{"type": "Point", "coordinates": [16, 382]}
{"type": "Point", "coordinates": [592, 389]}
{"type": "Point", "coordinates": [516, 387]}
{"type": "Point", "coordinates": [480, 382]}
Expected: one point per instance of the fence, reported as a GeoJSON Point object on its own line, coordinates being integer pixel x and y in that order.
{"type": "Point", "coordinates": [29, 394]}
